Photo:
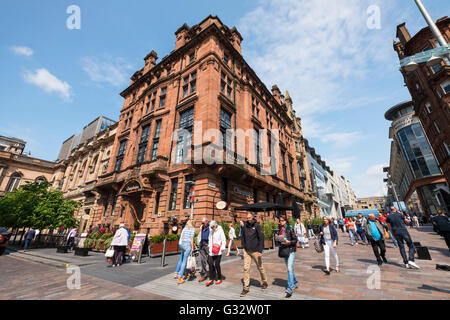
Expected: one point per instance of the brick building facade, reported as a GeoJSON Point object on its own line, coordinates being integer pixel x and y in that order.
{"type": "Point", "coordinates": [203, 84]}
{"type": "Point", "coordinates": [429, 87]}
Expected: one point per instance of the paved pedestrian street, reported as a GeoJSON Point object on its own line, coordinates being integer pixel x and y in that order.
{"type": "Point", "coordinates": [22, 278]}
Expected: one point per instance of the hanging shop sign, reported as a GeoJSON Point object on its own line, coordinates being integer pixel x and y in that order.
{"type": "Point", "coordinates": [221, 205]}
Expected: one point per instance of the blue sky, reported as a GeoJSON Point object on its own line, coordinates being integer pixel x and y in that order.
{"type": "Point", "coordinates": [341, 75]}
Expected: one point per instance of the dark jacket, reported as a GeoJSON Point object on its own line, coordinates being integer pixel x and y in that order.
{"type": "Point", "coordinates": [30, 234]}
{"type": "Point", "coordinates": [368, 230]}
{"type": "Point", "coordinates": [291, 236]}
{"type": "Point", "coordinates": [334, 234]}
{"type": "Point", "coordinates": [204, 236]}
{"type": "Point", "coordinates": [252, 237]}
{"type": "Point", "coordinates": [442, 223]}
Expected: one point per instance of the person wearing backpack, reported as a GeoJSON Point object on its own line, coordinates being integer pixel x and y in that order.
{"type": "Point", "coordinates": [287, 249]}
{"type": "Point", "coordinates": [217, 244]}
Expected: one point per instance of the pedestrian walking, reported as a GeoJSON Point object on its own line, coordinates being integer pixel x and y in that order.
{"type": "Point", "coordinates": [252, 244]}
{"type": "Point", "coordinates": [186, 244]}
{"type": "Point", "coordinates": [442, 223]}
{"type": "Point", "coordinates": [300, 231]}
{"type": "Point", "coordinates": [29, 236]}
{"type": "Point", "coordinates": [351, 227]}
{"type": "Point", "coordinates": [231, 237]}
{"type": "Point", "coordinates": [217, 244]}
{"type": "Point", "coordinates": [396, 224]}
{"type": "Point", "coordinates": [71, 237]}
{"type": "Point", "coordinates": [202, 243]}
{"type": "Point", "coordinates": [382, 218]}
{"type": "Point", "coordinates": [311, 233]}
{"type": "Point", "coordinates": [287, 251]}
{"type": "Point", "coordinates": [416, 221]}
{"type": "Point", "coordinates": [329, 239]}
{"type": "Point", "coordinates": [341, 225]}
{"type": "Point", "coordinates": [119, 243]}
{"type": "Point", "coordinates": [4, 238]}
{"type": "Point", "coordinates": [375, 234]}
{"type": "Point", "coordinates": [360, 223]}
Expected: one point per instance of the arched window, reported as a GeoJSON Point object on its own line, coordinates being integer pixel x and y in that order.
{"type": "Point", "coordinates": [39, 180]}
{"type": "Point", "coordinates": [14, 182]}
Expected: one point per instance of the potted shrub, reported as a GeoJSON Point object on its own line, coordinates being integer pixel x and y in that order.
{"type": "Point", "coordinates": [172, 243]}
{"type": "Point", "coordinates": [156, 244]}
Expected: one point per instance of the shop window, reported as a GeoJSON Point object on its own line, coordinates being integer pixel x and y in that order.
{"type": "Point", "coordinates": [113, 205]}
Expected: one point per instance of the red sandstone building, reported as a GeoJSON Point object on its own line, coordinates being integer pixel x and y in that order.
{"type": "Point", "coordinates": [430, 89]}
{"type": "Point", "coordinates": [205, 80]}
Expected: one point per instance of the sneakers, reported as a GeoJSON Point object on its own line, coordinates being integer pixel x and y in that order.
{"type": "Point", "coordinates": [407, 266]}
{"type": "Point", "coordinates": [413, 265]}
{"type": "Point", "coordinates": [264, 286]}
{"type": "Point", "coordinates": [244, 292]}
{"type": "Point", "coordinates": [210, 282]}
{"type": "Point", "coordinates": [202, 279]}
{"type": "Point", "coordinates": [288, 294]}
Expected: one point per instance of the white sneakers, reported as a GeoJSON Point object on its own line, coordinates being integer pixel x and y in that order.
{"type": "Point", "coordinates": [407, 266]}
{"type": "Point", "coordinates": [413, 265]}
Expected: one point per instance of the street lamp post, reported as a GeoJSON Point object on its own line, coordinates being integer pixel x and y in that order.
{"type": "Point", "coordinates": [431, 23]}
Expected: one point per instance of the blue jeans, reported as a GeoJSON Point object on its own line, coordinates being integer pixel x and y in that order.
{"type": "Point", "coordinates": [352, 234]}
{"type": "Point", "coordinates": [292, 280]}
{"type": "Point", "coordinates": [27, 243]}
{"type": "Point", "coordinates": [393, 239]}
{"type": "Point", "coordinates": [185, 252]}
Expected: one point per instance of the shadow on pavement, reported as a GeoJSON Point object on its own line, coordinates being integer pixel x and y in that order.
{"type": "Point", "coordinates": [427, 287]}
{"type": "Point", "coordinates": [253, 283]}
{"type": "Point", "coordinates": [280, 282]}
{"type": "Point", "coordinates": [445, 252]}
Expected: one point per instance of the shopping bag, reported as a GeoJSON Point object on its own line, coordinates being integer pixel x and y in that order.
{"type": "Point", "coordinates": [109, 253]}
{"type": "Point", "coordinates": [191, 263]}
{"type": "Point", "coordinates": [386, 234]}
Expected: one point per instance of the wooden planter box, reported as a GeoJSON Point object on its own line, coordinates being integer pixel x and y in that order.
{"type": "Point", "coordinates": [171, 247]}
{"type": "Point", "coordinates": [268, 244]}
{"type": "Point", "coordinates": [62, 249]}
{"type": "Point", "coordinates": [81, 252]}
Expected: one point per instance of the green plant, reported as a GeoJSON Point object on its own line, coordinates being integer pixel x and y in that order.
{"type": "Point", "coordinates": [94, 236]}
{"type": "Point", "coordinates": [292, 222]}
{"type": "Point", "coordinates": [88, 243]}
{"type": "Point", "coordinates": [237, 228]}
{"type": "Point", "coordinates": [157, 239]}
{"type": "Point", "coordinates": [99, 243]}
{"type": "Point", "coordinates": [173, 237]}
{"type": "Point", "coordinates": [132, 237]}
{"type": "Point", "coordinates": [107, 243]}
{"type": "Point", "coordinates": [268, 228]}
{"type": "Point", "coordinates": [106, 236]}
{"type": "Point", "coordinates": [225, 226]}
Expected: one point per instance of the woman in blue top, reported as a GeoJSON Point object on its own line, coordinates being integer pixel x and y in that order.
{"type": "Point", "coordinates": [186, 245]}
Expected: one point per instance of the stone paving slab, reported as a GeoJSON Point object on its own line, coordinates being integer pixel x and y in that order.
{"type": "Point", "coordinates": [26, 280]}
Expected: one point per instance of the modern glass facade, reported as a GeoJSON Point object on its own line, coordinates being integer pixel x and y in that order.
{"type": "Point", "coordinates": [417, 151]}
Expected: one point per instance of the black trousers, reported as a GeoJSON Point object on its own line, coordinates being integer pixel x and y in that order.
{"type": "Point", "coordinates": [401, 237]}
{"type": "Point", "coordinates": [214, 267]}
{"type": "Point", "coordinates": [118, 253]}
{"type": "Point", "coordinates": [379, 249]}
{"type": "Point", "coordinates": [204, 256]}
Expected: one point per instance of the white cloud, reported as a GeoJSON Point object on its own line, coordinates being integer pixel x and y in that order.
{"type": "Point", "coordinates": [115, 71]}
{"type": "Point", "coordinates": [22, 51]}
{"type": "Point", "coordinates": [343, 166]}
{"type": "Point", "coordinates": [48, 82]}
{"type": "Point", "coordinates": [370, 183]}
{"type": "Point", "coordinates": [315, 52]}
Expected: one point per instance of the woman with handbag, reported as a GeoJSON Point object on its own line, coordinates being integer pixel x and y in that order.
{"type": "Point", "coordinates": [287, 249]}
{"type": "Point", "coordinates": [186, 245]}
{"type": "Point", "coordinates": [217, 242]}
{"type": "Point", "coordinates": [300, 230]}
{"type": "Point", "coordinates": [329, 239]}
{"type": "Point", "coordinates": [119, 243]}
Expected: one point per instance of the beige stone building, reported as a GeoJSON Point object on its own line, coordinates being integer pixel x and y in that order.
{"type": "Point", "coordinates": [307, 206]}
{"type": "Point", "coordinates": [81, 160]}
{"type": "Point", "coordinates": [17, 168]}
{"type": "Point", "coordinates": [371, 203]}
